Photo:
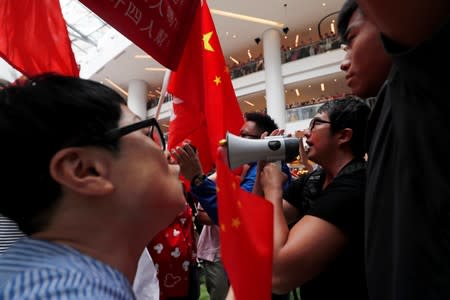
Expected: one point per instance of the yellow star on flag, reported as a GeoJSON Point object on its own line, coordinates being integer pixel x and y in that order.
{"type": "Point", "coordinates": [217, 80]}
{"type": "Point", "coordinates": [235, 222]}
{"type": "Point", "coordinates": [239, 203]}
{"type": "Point", "coordinates": [206, 44]}
{"type": "Point", "coordinates": [223, 227]}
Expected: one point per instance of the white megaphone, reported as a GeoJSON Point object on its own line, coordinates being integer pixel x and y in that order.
{"type": "Point", "coordinates": [272, 148]}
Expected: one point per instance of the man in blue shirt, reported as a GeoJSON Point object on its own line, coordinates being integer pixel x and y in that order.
{"type": "Point", "coordinates": [204, 188]}
{"type": "Point", "coordinates": [79, 164]}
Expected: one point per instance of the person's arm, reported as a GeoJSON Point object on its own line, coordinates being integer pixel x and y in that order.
{"type": "Point", "coordinates": [290, 212]}
{"type": "Point", "coordinates": [206, 195]}
{"type": "Point", "coordinates": [407, 22]}
{"type": "Point", "coordinates": [203, 190]}
{"type": "Point", "coordinates": [305, 250]}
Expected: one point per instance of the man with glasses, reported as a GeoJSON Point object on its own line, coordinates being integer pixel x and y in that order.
{"type": "Point", "coordinates": [203, 188]}
{"type": "Point", "coordinates": [87, 186]}
{"type": "Point", "coordinates": [322, 251]}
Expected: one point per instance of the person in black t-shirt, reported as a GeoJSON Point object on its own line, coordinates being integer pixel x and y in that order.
{"type": "Point", "coordinates": [366, 64]}
{"type": "Point", "coordinates": [407, 231]}
{"type": "Point", "coordinates": [323, 251]}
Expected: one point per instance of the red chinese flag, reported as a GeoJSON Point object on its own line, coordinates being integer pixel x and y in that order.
{"type": "Point", "coordinates": [34, 38]}
{"type": "Point", "coordinates": [159, 27]}
{"type": "Point", "coordinates": [204, 105]}
{"type": "Point", "coordinates": [246, 237]}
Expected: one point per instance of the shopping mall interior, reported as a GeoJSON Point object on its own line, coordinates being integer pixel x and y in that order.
{"type": "Point", "coordinates": [310, 54]}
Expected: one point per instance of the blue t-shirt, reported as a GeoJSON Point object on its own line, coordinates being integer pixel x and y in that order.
{"type": "Point", "coordinates": [36, 269]}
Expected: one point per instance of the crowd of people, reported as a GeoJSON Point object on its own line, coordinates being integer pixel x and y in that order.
{"type": "Point", "coordinates": [370, 219]}
{"type": "Point", "coordinates": [288, 54]}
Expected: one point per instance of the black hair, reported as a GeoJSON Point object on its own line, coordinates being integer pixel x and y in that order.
{"type": "Point", "coordinates": [349, 112]}
{"type": "Point", "coordinates": [263, 121]}
{"type": "Point", "coordinates": [37, 119]}
{"type": "Point", "coordinates": [3, 83]}
{"type": "Point", "coordinates": [345, 14]}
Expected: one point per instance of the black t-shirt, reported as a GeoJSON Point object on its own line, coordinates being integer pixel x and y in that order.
{"type": "Point", "coordinates": [341, 203]}
{"type": "Point", "coordinates": [408, 188]}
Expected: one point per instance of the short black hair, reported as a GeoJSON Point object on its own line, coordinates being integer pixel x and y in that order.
{"type": "Point", "coordinates": [345, 14]}
{"type": "Point", "coordinates": [37, 119]}
{"type": "Point", "coordinates": [263, 121]}
{"type": "Point", "coordinates": [3, 83]}
{"type": "Point", "coordinates": [349, 112]}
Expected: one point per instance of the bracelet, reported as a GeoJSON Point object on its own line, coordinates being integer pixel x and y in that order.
{"type": "Point", "coordinates": [198, 179]}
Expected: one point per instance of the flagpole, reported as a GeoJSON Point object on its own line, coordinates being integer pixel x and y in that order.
{"type": "Point", "coordinates": [163, 93]}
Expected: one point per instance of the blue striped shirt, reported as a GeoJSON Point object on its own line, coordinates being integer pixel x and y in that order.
{"type": "Point", "coordinates": [9, 233]}
{"type": "Point", "coordinates": [36, 269]}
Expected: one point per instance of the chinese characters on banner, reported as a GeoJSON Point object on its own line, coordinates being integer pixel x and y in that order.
{"type": "Point", "coordinates": [159, 27]}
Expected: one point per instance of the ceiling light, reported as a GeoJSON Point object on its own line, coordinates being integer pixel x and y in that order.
{"type": "Point", "coordinates": [234, 60]}
{"type": "Point", "coordinates": [335, 80]}
{"type": "Point", "coordinates": [246, 18]}
{"type": "Point", "coordinates": [309, 28]}
{"type": "Point", "coordinates": [297, 92]}
{"type": "Point", "coordinates": [333, 30]}
{"type": "Point", "coordinates": [249, 54]}
{"type": "Point", "coordinates": [324, 4]}
{"type": "Point", "coordinates": [139, 56]}
{"type": "Point", "coordinates": [309, 86]}
{"type": "Point", "coordinates": [116, 86]}
{"type": "Point", "coordinates": [155, 69]}
{"type": "Point", "coordinates": [322, 87]}
{"type": "Point", "coordinates": [296, 40]}
{"type": "Point", "coordinates": [249, 103]}
{"type": "Point", "coordinates": [234, 36]}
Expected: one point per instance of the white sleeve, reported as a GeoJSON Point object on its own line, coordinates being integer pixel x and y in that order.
{"type": "Point", "coordinates": [146, 285]}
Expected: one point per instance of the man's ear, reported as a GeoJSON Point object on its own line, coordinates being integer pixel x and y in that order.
{"type": "Point", "coordinates": [82, 170]}
{"type": "Point", "coordinates": [344, 135]}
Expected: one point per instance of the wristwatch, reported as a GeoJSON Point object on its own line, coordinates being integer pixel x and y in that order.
{"type": "Point", "coordinates": [198, 179]}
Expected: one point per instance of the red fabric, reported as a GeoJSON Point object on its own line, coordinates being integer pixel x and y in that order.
{"type": "Point", "coordinates": [159, 27]}
{"type": "Point", "coordinates": [205, 105]}
{"type": "Point", "coordinates": [246, 237]}
{"type": "Point", "coordinates": [173, 250]}
{"type": "Point", "coordinates": [34, 37]}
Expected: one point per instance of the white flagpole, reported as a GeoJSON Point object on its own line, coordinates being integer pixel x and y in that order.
{"type": "Point", "coordinates": [163, 92]}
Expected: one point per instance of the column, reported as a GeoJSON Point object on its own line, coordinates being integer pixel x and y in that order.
{"type": "Point", "coordinates": [137, 97]}
{"type": "Point", "coordinates": [275, 100]}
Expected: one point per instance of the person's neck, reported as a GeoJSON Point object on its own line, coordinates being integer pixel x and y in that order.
{"type": "Point", "coordinates": [108, 243]}
{"type": "Point", "coordinates": [335, 165]}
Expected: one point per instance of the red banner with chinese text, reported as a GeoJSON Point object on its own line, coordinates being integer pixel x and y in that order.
{"type": "Point", "coordinates": [159, 27]}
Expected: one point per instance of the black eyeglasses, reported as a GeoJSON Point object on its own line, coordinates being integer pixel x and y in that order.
{"type": "Point", "coordinates": [314, 121]}
{"type": "Point", "coordinates": [154, 131]}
